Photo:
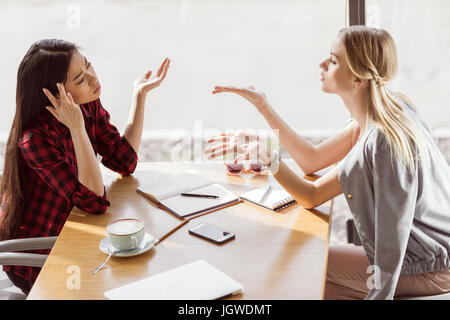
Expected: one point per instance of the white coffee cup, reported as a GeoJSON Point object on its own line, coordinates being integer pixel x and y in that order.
{"type": "Point", "coordinates": [126, 234]}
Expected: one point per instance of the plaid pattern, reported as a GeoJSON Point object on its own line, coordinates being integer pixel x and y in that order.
{"type": "Point", "coordinates": [49, 174]}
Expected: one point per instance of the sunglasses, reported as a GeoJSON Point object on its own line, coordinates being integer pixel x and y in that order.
{"type": "Point", "coordinates": [239, 168]}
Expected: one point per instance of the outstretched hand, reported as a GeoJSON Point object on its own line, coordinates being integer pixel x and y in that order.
{"type": "Point", "coordinates": [255, 97]}
{"type": "Point", "coordinates": [146, 83]}
{"type": "Point", "coordinates": [244, 146]}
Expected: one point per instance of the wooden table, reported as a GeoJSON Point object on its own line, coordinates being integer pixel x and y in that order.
{"type": "Point", "coordinates": [274, 256]}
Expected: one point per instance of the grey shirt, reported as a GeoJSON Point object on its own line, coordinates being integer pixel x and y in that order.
{"type": "Point", "coordinates": [402, 218]}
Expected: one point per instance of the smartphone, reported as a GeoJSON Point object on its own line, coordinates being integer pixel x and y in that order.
{"type": "Point", "coordinates": [210, 232]}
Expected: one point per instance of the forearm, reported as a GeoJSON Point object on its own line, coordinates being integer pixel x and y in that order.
{"type": "Point", "coordinates": [134, 129]}
{"type": "Point", "coordinates": [88, 169]}
{"type": "Point", "coordinates": [302, 190]}
{"type": "Point", "coordinates": [303, 153]}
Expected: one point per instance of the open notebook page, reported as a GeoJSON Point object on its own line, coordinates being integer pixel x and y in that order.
{"type": "Point", "coordinates": [184, 206]}
{"type": "Point", "coordinates": [173, 185]}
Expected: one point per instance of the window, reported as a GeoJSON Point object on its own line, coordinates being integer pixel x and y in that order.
{"type": "Point", "coordinates": [421, 31]}
{"type": "Point", "coordinates": [275, 45]}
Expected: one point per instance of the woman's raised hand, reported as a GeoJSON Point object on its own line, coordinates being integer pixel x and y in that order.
{"type": "Point", "coordinates": [244, 146]}
{"type": "Point", "coordinates": [64, 109]}
{"type": "Point", "coordinates": [255, 97]}
{"type": "Point", "coordinates": [146, 84]}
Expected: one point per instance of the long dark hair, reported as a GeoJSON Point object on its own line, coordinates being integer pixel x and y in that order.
{"type": "Point", "coordinates": [45, 64]}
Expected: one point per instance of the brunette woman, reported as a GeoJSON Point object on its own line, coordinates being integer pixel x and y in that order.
{"type": "Point", "coordinates": [59, 128]}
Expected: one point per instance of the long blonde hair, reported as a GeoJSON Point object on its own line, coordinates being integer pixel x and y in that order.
{"type": "Point", "coordinates": [371, 54]}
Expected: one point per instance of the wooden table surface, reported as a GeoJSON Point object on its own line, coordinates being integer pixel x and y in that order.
{"type": "Point", "coordinates": [274, 255]}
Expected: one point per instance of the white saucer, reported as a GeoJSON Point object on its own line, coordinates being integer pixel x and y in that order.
{"type": "Point", "coordinates": [148, 243]}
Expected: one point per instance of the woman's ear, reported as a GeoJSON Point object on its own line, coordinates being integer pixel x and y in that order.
{"type": "Point", "coordinates": [360, 83]}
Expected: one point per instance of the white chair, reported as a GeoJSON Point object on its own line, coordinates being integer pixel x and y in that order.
{"type": "Point", "coordinates": [8, 256]}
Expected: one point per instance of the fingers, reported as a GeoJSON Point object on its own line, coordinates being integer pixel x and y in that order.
{"type": "Point", "coordinates": [245, 92]}
{"type": "Point", "coordinates": [146, 84]}
{"type": "Point", "coordinates": [64, 99]}
{"type": "Point", "coordinates": [244, 145]}
{"type": "Point", "coordinates": [62, 93]}
{"type": "Point", "coordinates": [50, 97]}
{"type": "Point", "coordinates": [218, 89]}
{"type": "Point", "coordinates": [239, 136]}
{"type": "Point", "coordinates": [213, 150]}
{"type": "Point", "coordinates": [70, 98]}
{"type": "Point", "coordinates": [233, 89]}
{"type": "Point", "coordinates": [166, 67]}
{"type": "Point", "coordinates": [242, 152]}
{"type": "Point", "coordinates": [222, 138]}
{"type": "Point", "coordinates": [251, 150]}
{"type": "Point", "coordinates": [222, 150]}
{"type": "Point", "coordinates": [52, 111]}
{"type": "Point", "coordinates": [163, 69]}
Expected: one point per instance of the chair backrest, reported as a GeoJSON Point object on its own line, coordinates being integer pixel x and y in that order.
{"type": "Point", "coordinates": [27, 244]}
{"type": "Point", "coordinates": [22, 259]}
{"type": "Point", "coordinates": [25, 259]}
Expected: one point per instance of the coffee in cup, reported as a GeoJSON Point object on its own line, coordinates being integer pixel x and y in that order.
{"type": "Point", "coordinates": [126, 234]}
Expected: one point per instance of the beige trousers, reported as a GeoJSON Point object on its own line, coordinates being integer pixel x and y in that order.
{"type": "Point", "coordinates": [347, 277]}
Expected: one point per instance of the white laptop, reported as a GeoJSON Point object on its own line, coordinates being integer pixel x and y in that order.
{"type": "Point", "coordinates": [194, 281]}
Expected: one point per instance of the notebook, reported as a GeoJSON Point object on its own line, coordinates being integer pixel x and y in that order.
{"type": "Point", "coordinates": [166, 193]}
{"type": "Point", "coordinates": [197, 280]}
{"type": "Point", "coordinates": [271, 196]}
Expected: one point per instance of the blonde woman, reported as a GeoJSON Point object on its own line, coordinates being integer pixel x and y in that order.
{"type": "Point", "coordinates": [394, 178]}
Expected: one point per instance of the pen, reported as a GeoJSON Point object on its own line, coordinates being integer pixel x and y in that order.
{"type": "Point", "coordinates": [265, 193]}
{"type": "Point", "coordinates": [172, 231]}
{"type": "Point", "coordinates": [196, 195]}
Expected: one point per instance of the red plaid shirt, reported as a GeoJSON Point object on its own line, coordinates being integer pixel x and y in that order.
{"type": "Point", "coordinates": [49, 174]}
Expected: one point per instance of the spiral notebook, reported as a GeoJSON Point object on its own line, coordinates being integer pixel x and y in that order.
{"type": "Point", "coordinates": [271, 196]}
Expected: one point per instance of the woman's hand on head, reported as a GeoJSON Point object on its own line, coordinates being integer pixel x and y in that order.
{"type": "Point", "coordinates": [145, 84]}
{"type": "Point", "coordinates": [64, 109]}
{"type": "Point", "coordinates": [244, 146]}
{"type": "Point", "coordinates": [255, 97]}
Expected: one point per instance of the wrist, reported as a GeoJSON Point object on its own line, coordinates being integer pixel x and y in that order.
{"type": "Point", "coordinates": [139, 94]}
{"type": "Point", "coordinates": [265, 109]}
{"type": "Point", "coordinates": [76, 130]}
